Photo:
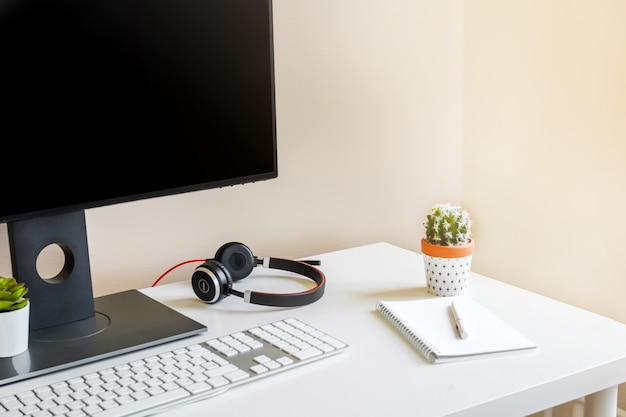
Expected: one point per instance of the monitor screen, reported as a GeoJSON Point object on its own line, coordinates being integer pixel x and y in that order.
{"type": "Point", "coordinates": [111, 101]}
{"type": "Point", "coordinates": [107, 101]}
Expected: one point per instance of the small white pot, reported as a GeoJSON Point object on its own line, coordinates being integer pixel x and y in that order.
{"type": "Point", "coordinates": [447, 268]}
{"type": "Point", "coordinates": [14, 329]}
{"type": "Point", "coordinates": [447, 277]}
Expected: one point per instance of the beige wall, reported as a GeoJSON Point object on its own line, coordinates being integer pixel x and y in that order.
{"type": "Point", "coordinates": [545, 147]}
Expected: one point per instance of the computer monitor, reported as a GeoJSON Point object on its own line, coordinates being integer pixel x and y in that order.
{"type": "Point", "coordinates": [113, 101]}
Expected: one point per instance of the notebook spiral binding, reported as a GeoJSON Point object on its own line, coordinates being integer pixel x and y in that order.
{"type": "Point", "coordinates": [421, 344]}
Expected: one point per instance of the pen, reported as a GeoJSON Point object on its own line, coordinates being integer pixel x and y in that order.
{"type": "Point", "coordinates": [458, 320]}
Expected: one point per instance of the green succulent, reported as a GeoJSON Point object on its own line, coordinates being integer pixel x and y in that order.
{"type": "Point", "coordinates": [448, 225]}
{"type": "Point", "coordinates": [12, 294]}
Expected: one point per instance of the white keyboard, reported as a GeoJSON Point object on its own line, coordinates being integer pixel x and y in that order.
{"type": "Point", "coordinates": [154, 383]}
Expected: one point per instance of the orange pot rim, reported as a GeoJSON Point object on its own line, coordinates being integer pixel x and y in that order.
{"type": "Point", "coordinates": [439, 251]}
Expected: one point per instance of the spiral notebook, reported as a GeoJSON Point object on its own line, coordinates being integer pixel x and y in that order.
{"type": "Point", "coordinates": [429, 325]}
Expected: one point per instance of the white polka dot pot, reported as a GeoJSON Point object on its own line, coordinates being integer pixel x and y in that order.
{"type": "Point", "coordinates": [447, 276]}
{"type": "Point", "coordinates": [447, 268]}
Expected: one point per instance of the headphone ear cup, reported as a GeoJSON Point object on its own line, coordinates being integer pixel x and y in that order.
{"type": "Point", "coordinates": [211, 282]}
{"type": "Point", "coordinates": [237, 258]}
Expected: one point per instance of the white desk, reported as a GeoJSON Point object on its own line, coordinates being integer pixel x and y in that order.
{"type": "Point", "coordinates": [579, 353]}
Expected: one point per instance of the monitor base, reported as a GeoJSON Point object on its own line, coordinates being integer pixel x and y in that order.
{"type": "Point", "coordinates": [124, 322]}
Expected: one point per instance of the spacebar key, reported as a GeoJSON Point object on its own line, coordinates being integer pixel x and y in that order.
{"type": "Point", "coordinates": [144, 404]}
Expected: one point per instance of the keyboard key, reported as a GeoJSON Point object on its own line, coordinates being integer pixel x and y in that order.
{"type": "Point", "coordinates": [236, 375]}
{"type": "Point", "coordinates": [76, 413]}
{"type": "Point", "coordinates": [11, 403]}
{"type": "Point", "coordinates": [198, 387]}
{"type": "Point", "coordinates": [332, 341]}
{"type": "Point", "coordinates": [307, 353]}
{"type": "Point", "coordinates": [258, 369]}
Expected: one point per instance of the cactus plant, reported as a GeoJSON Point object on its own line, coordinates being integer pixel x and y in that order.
{"type": "Point", "coordinates": [448, 225]}
{"type": "Point", "coordinates": [447, 247]}
{"type": "Point", "coordinates": [12, 294]}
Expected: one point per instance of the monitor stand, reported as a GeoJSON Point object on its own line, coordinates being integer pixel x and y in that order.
{"type": "Point", "coordinates": [68, 327]}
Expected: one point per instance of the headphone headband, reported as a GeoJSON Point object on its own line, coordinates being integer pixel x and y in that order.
{"type": "Point", "coordinates": [290, 299]}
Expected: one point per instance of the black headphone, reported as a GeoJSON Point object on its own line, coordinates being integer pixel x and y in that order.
{"type": "Point", "coordinates": [213, 280]}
